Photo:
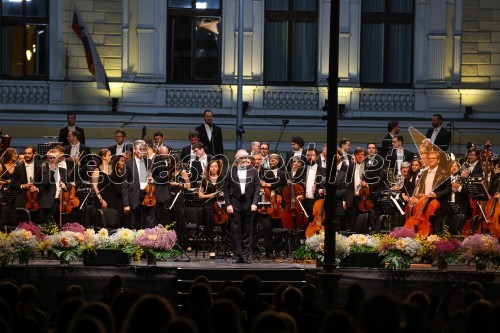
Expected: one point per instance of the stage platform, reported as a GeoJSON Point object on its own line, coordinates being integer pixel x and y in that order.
{"type": "Point", "coordinates": [173, 278]}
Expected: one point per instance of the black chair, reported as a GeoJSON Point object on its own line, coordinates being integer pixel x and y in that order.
{"type": "Point", "coordinates": [107, 218]}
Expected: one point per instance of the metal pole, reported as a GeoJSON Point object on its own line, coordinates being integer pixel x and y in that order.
{"type": "Point", "coordinates": [329, 277]}
{"type": "Point", "coordinates": [239, 96]}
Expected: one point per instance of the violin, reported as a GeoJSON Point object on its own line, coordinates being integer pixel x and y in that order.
{"type": "Point", "coordinates": [68, 200]}
{"type": "Point", "coordinates": [31, 203]}
{"type": "Point", "coordinates": [277, 209]}
{"type": "Point", "coordinates": [319, 217]}
{"type": "Point", "coordinates": [149, 199]}
{"type": "Point", "coordinates": [419, 215]}
{"type": "Point", "coordinates": [266, 196]}
{"type": "Point", "coordinates": [220, 214]}
{"type": "Point", "coordinates": [292, 217]}
{"type": "Point", "coordinates": [365, 204]}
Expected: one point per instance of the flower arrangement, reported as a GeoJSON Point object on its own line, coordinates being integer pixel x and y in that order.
{"type": "Point", "coordinates": [481, 248]}
{"type": "Point", "coordinates": [158, 242]}
{"type": "Point", "coordinates": [74, 227]}
{"type": "Point", "coordinates": [123, 238]}
{"type": "Point", "coordinates": [313, 248]}
{"type": "Point", "coordinates": [363, 243]}
{"type": "Point", "coordinates": [96, 240]}
{"type": "Point", "coordinates": [400, 248]}
{"type": "Point", "coordinates": [67, 245]}
{"type": "Point", "coordinates": [442, 247]}
{"type": "Point", "coordinates": [23, 243]}
{"type": "Point", "coordinates": [33, 228]}
{"type": "Point", "coordinates": [7, 253]}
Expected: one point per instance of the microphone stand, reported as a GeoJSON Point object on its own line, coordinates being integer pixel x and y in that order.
{"type": "Point", "coordinates": [451, 125]}
{"type": "Point", "coordinates": [282, 129]}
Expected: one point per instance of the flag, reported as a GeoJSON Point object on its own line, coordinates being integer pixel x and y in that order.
{"type": "Point", "coordinates": [93, 61]}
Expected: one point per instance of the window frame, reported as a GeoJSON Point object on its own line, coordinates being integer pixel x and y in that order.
{"type": "Point", "coordinates": [387, 18]}
{"type": "Point", "coordinates": [25, 20]}
{"type": "Point", "coordinates": [290, 16]}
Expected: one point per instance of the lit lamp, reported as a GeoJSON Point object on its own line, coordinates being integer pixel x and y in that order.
{"type": "Point", "coordinates": [29, 54]}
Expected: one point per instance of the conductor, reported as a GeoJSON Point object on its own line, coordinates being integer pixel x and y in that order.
{"type": "Point", "coordinates": [241, 194]}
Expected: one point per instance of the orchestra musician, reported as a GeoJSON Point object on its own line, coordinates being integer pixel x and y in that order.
{"type": "Point", "coordinates": [211, 134]}
{"type": "Point", "coordinates": [297, 144]}
{"type": "Point", "coordinates": [434, 183]}
{"type": "Point", "coordinates": [474, 162]}
{"type": "Point", "coordinates": [56, 174]}
{"type": "Point", "coordinates": [438, 135]}
{"type": "Point", "coordinates": [137, 176]}
{"type": "Point", "coordinates": [9, 176]}
{"type": "Point", "coordinates": [460, 197]}
{"type": "Point", "coordinates": [274, 179]}
{"type": "Point", "coordinates": [28, 172]}
{"type": "Point", "coordinates": [341, 190]}
{"type": "Point", "coordinates": [355, 179]}
{"type": "Point", "coordinates": [121, 146]}
{"type": "Point", "coordinates": [178, 181]}
{"type": "Point", "coordinates": [211, 189]}
{"type": "Point", "coordinates": [187, 153]}
{"type": "Point", "coordinates": [313, 181]}
{"type": "Point", "coordinates": [63, 132]}
{"type": "Point", "coordinates": [398, 154]}
{"type": "Point", "coordinates": [160, 174]}
{"type": "Point", "coordinates": [241, 194]}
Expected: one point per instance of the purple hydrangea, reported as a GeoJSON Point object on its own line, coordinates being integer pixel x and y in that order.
{"type": "Point", "coordinates": [74, 227]}
{"type": "Point", "coordinates": [403, 232]}
{"type": "Point", "coordinates": [157, 238]}
{"type": "Point", "coordinates": [33, 228]}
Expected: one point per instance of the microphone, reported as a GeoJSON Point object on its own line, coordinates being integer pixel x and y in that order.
{"type": "Point", "coordinates": [285, 121]}
{"type": "Point", "coordinates": [450, 123]}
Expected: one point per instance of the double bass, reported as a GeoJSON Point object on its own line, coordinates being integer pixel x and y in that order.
{"type": "Point", "coordinates": [265, 197]}
{"type": "Point", "coordinates": [492, 214]}
{"type": "Point", "coordinates": [293, 217]}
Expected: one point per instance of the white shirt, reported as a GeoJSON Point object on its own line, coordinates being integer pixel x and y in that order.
{"type": "Point", "coordinates": [209, 132]}
{"type": "Point", "coordinates": [311, 177]}
{"type": "Point", "coordinates": [57, 176]}
{"type": "Point", "coordinates": [138, 162]}
{"type": "Point", "coordinates": [429, 180]}
{"type": "Point", "coordinates": [242, 176]}
{"type": "Point", "coordinates": [297, 153]}
{"type": "Point", "coordinates": [357, 178]}
{"type": "Point", "coordinates": [30, 171]}
{"type": "Point", "coordinates": [204, 161]}
{"type": "Point", "coordinates": [75, 150]}
{"type": "Point", "coordinates": [399, 159]}
{"type": "Point", "coordinates": [435, 133]}
{"type": "Point", "coordinates": [119, 149]}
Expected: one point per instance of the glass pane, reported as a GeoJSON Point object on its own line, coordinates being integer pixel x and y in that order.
{"type": "Point", "coordinates": [304, 5]}
{"type": "Point", "coordinates": [12, 8]}
{"type": "Point", "coordinates": [275, 51]}
{"type": "Point", "coordinates": [36, 50]}
{"type": "Point", "coordinates": [276, 4]}
{"type": "Point", "coordinates": [180, 3]}
{"type": "Point", "coordinates": [13, 51]}
{"type": "Point", "coordinates": [373, 6]}
{"type": "Point", "coordinates": [207, 48]}
{"type": "Point", "coordinates": [4, 51]}
{"type": "Point", "coordinates": [372, 53]}
{"type": "Point", "coordinates": [401, 6]}
{"type": "Point", "coordinates": [179, 48]}
{"type": "Point", "coordinates": [36, 8]}
{"type": "Point", "coordinates": [207, 4]}
{"type": "Point", "coordinates": [303, 51]}
{"type": "Point", "coordinates": [399, 53]}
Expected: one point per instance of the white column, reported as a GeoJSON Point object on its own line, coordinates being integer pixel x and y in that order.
{"type": "Point", "coordinates": [436, 57]}
{"type": "Point", "coordinates": [344, 55]}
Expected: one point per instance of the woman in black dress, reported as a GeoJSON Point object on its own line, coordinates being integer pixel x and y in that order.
{"type": "Point", "coordinates": [8, 177]}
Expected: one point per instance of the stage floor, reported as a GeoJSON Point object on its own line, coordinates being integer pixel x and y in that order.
{"type": "Point", "coordinates": [173, 278]}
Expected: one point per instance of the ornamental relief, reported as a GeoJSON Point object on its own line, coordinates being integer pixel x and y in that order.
{"type": "Point", "coordinates": [24, 94]}
{"type": "Point", "coordinates": [185, 98]}
{"type": "Point", "coordinates": [303, 100]}
{"type": "Point", "coordinates": [387, 102]}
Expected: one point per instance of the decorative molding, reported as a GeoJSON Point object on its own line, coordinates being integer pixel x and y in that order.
{"type": "Point", "coordinates": [193, 98]}
{"type": "Point", "coordinates": [291, 99]}
{"type": "Point", "coordinates": [344, 55]}
{"type": "Point", "coordinates": [145, 51]}
{"type": "Point", "coordinates": [436, 57]}
{"type": "Point", "coordinates": [387, 101]}
{"type": "Point", "coordinates": [24, 93]}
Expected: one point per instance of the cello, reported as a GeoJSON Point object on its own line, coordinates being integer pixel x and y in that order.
{"type": "Point", "coordinates": [319, 217]}
{"type": "Point", "coordinates": [277, 209]}
{"type": "Point", "coordinates": [293, 216]}
{"type": "Point", "coordinates": [419, 215]}
{"type": "Point", "coordinates": [492, 214]}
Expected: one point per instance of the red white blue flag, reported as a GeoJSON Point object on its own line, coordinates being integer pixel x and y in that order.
{"type": "Point", "coordinates": [93, 61]}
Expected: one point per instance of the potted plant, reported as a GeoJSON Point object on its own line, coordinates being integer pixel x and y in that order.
{"type": "Point", "coordinates": [23, 244]}
{"type": "Point", "coordinates": [400, 248]}
{"type": "Point", "coordinates": [443, 250]}
{"type": "Point", "coordinates": [105, 250]}
{"type": "Point", "coordinates": [363, 251]}
{"type": "Point", "coordinates": [313, 248]}
{"type": "Point", "coordinates": [67, 246]}
{"type": "Point", "coordinates": [483, 249]}
{"type": "Point", "coordinates": [158, 244]}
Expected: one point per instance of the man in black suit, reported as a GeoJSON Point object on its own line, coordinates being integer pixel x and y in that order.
{"type": "Point", "coordinates": [79, 153]}
{"type": "Point", "coordinates": [474, 163]}
{"type": "Point", "coordinates": [187, 153]}
{"type": "Point", "coordinates": [313, 181]}
{"type": "Point", "coordinates": [121, 146]}
{"type": "Point", "coordinates": [392, 131]}
{"type": "Point", "coordinates": [211, 135]}
{"type": "Point", "coordinates": [133, 188]}
{"type": "Point", "coordinates": [297, 150]}
{"type": "Point", "coordinates": [438, 135]}
{"type": "Point", "coordinates": [241, 194]}
{"type": "Point", "coordinates": [63, 132]}
{"type": "Point", "coordinates": [57, 175]}
{"type": "Point", "coordinates": [27, 171]}
{"type": "Point", "coordinates": [162, 193]}
{"type": "Point", "coordinates": [398, 154]}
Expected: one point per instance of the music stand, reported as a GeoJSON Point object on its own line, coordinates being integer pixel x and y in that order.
{"type": "Point", "coordinates": [180, 199]}
{"type": "Point", "coordinates": [477, 191]}
{"type": "Point", "coordinates": [454, 207]}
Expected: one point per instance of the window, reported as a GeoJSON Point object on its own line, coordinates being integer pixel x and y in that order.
{"type": "Point", "coordinates": [387, 42]}
{"type": "Point", "coordinates": [290, 41]}
{"type": "Point", "coordinates": [23, 38]}
{"type": "Point", "coordinates": [194, 40]}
